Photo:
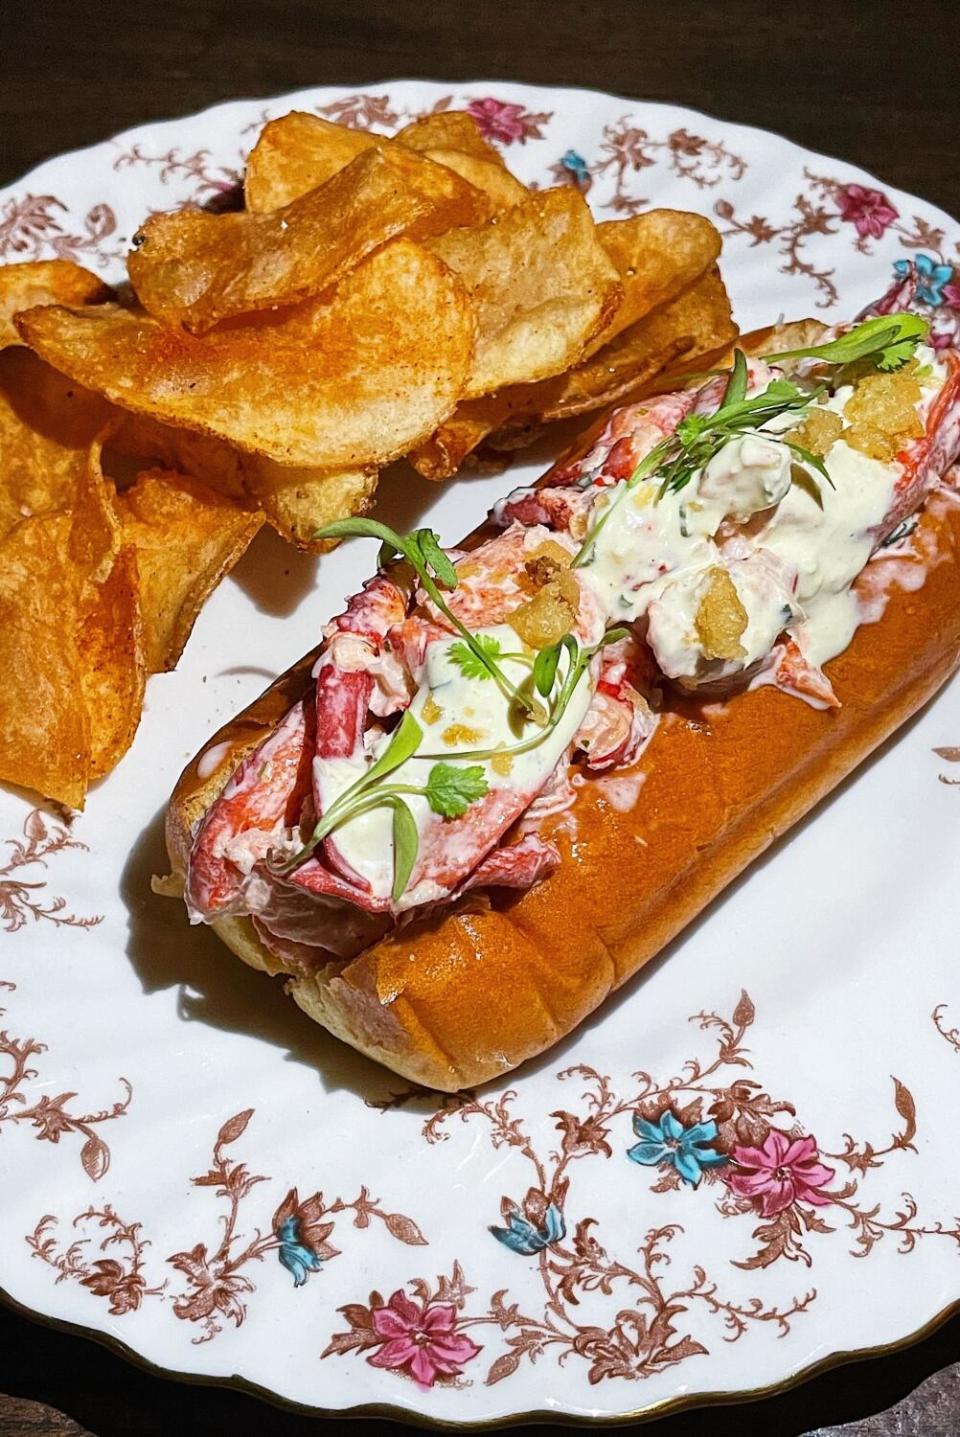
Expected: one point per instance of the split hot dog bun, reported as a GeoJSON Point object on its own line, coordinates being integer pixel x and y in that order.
{"type": "Point", "coordinates": [452, 1000]}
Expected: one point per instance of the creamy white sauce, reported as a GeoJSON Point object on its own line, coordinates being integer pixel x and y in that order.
{"type": "Point", "coordinates": [793, 566]}
{"type": "Point", "coordinates": [478, 706]}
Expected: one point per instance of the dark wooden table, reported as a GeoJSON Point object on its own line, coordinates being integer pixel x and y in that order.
{"type": "Point", "coordinates": [873, 81]}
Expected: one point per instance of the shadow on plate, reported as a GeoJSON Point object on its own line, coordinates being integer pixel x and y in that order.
{"type": "Point", "coordinates": [216, 988]}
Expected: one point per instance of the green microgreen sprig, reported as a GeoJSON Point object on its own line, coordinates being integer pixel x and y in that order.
{"type": "Point", "coordinates": [449, 791]}
{"type": "Point", "coordinates": [888, 341]}
{"type": "Point", "coordinates": [546, 665]}
{"type": "Point", "coordinates": [422, 551]}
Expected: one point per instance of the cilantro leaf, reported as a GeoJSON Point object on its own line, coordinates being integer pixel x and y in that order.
{"type": "Point", "coordinates": [469, 662]}
{"type": "Point", "coordinates": [888, 339]}
{"type": "Point", "coordinates": [451, 790]}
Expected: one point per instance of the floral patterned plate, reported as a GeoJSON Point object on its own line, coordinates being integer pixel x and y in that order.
{"type": "Point", "coordinates": [740, 1170]}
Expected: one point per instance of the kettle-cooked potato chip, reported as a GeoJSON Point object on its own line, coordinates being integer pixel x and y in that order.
{"type": "Point", "coordinates": [299, 501]}
{"type": "Point", "coordinates": [44, 730]}
{"type": "Point", "coordinates": [298, 152]}
{"type": "Point", "coordinates": [186, 538]}
{"type": "Point", "coordinates": [541, 283]}
{"type": "Point", "coordinates": [112, 673]}
{"type": "Point", "coordinates": [194, 268]}
{"type": "Point", "coordinates": [338, 382]}
{"type": "Point", "coordinates": [44, 281]}
{"type": "Point", "coordinates": [696, 322]}
{"type": "Point", "coordinates": [449, 130]}
{"type": "Point", "coordinates": [501, 188]}
{"type": "Point", "coordinates": [658, 255]}
{"type": "Point", "coordinates": [47, 423]}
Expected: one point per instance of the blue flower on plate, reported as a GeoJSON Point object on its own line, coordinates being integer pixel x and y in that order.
{"type": "Point", "coordinates": [930, 277]}
{"type": "Point", "coordinates": [523, 1236]}
{"type": "Point", "coordinates": [669, 1142]}
{"type": "Point", "coordinates": [295, 1257]}
{"type": "Point", "coordinates": [576, 168]}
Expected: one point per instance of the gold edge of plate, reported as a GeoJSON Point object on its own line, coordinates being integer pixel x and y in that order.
{"type": "Point", "coordinates": [666, 1407]}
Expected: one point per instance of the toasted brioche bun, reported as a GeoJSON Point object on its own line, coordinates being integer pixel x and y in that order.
{"type": "Point", "coordinates": [453, 1000]}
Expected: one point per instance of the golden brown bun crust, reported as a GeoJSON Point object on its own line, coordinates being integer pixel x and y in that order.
{"type": "Point", "coordinates": [457, 1001]}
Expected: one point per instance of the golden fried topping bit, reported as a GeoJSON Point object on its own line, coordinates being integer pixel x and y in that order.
{"type": "Point", "coordinates": [819, 431]}
{"type": "Point", "coordinates": [721, 618]}
{"type": "Point", "coordinates": [502, 764]}
{"type": "Point", "coordinates": [550, 614]}
{"type": "Point", "coordinates": [431, 710]}
{"type": "Point", "coordinates": [882, 413]}
{"type": "Point", "coordinates": [458, 733]}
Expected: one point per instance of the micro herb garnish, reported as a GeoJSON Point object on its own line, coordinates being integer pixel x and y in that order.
{"type": "Point", "coordinates": [465, 659]}
{"type": "Point", "coordinates": [888, 340]}
{"type": "Point", "coordinates": [422, 551]}
{"type": "Point", "coordinates": [449, 791]}
{"type": "Point", "coordinates": [698, 437]}
{"type": "Point", "coordinates": [546, 664]}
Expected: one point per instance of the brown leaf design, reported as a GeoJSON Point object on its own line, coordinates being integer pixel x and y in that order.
{"type": "Point", "coordinates": [505, 1366]}
{"type": "Point", "coordinates": [404, 1229]}
{"type": "Point", "coordinates": [907, 1108]}
{"type": "Point", "coordinates": [952, 755]}
{"type": "Point", "coordinates": [744, 1013]}
{"type": "Point", "coordinates": [95, 1157]}
{"type": "Point", "coordinates": [36, 830]}
{"type": "Point", "coordinates": [234, 1127]}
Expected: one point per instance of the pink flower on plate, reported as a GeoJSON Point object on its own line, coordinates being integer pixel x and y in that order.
{"type": "Point", "coordinates": [869, 210]}
{"type": "Point", "coordinates": [421, 1337]}
{"type": "Point", "coordinates": [782, 1172]}
{"type": "Point", "coordinates": [951, 294]}
{"type": "Point", "coordinates": [499, 120]}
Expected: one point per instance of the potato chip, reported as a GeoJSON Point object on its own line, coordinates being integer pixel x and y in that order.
{"type": "Point", "coordinates": [49, 281]}
{"type": "Point", "coordinates": [338, 382]}
{"type": "Point", "coordinates": [44, 731]}
{"type": "Point", "coordinates": [695, 323]}
{"type": "Point", "coordinates": [541, 284]}
{"type": "Point", "coordinates": [186, 538]}
{"type": "Point", "coordinates": [47, 423]}
{"type": "Point", "coordinates": [297, 502]}
{"type": "Point", "coordinates": [95, 535]}
{"type": "Point", "coordinates": [657, 255]}
{"type": "Point", "coordinates": [449, 130]}
{"type": "Point", "coordinates": [194, 268]}
{"type": "Point", "coordinates": [298, 153]}
{"type": "Point", "coordinates": [501, 188]}
{"type": "Point", "coordinates": [112, 672]}
{"type": "Point", "coordinates": [134, 442]}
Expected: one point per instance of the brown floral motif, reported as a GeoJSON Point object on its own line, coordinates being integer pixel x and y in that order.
{"type": "Point", "coordinates": [830, 205]}
{"type": "Point", "coordinates": [31, 228]}
{"type": "Point", "coordinates": [949, 755]}
{"type": "Point", "coordinates": [20, 899]}
{"type": "Point", "coordinates": [708, 1125]}
{"type": "Point", "coordinates": [50, 1115]}
{"type": "Point", "coordinates": [362, 112]}
{"type": "Point", "coordinates": [626, 149]}
{"type": "Point", "coordinates": [208, 180]}
{"type": "Point", "coordinates": [952, 1035]}
{"type": "Point", "coordinates": [216, 1287]}
{"type": "Point", "coordinates": [118, 1278]}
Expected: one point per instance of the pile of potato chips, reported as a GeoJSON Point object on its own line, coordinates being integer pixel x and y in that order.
{"type": "Point", "coordinates": [376, 299]}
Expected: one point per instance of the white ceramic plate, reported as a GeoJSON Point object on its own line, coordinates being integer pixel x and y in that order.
{"type": "Point", "coordinates": [172, 1125]}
